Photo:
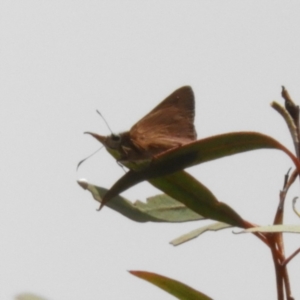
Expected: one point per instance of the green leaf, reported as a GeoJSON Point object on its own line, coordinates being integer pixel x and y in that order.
{"type": "Point", "coordinates": [168, 209]}
{"type": "Point", "coordinates": [186, 189]}
{"type": "Point", "coordinates": [222, 145]}
{"type": "Point", "coordinates": [212, 148]}
{"type": "Point", "coordinates": [195, 153]}
{"type": "Point", "coordinates": [176, 288]}
{"type": "Point", "coordinates": [194, 195]}
{"type": "Point", "coordinates": [274, 228]}
{"type": "Point", "coordinates": [160, 208]}
{"type": "Point", "coordinates": [195, 233]}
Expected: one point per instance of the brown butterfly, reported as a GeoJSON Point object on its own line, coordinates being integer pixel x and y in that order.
{"type": "Point", "coordinates": [169, 125]}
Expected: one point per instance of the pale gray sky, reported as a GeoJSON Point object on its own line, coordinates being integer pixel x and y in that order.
{"type": "Point", "coordinates": [62, 60]}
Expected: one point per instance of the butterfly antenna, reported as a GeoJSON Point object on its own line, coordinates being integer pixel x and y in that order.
{"type": "Point", "coordinates": [120, 165]}
{"type": "Point", "coordinates": [88, 157]}
{"type": "Point", "coordinates": [104, 121]}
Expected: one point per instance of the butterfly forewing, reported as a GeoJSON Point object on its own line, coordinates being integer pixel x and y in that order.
{"type": "Point", "coordinates": [169, 124]}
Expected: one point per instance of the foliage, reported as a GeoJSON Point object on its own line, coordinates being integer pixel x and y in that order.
{"type": "Point", "coordinates": [187, 199]}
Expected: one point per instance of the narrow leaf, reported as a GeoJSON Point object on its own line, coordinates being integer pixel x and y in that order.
{"type": "Point", "coordinates": [176, 288]}
{"type": "Point", "coordinates": [212, 148]}
{"type": "Point", "coordinates": [160, 208]}
{"type": "Point", "coordinates": [186, 189]}
{"type": "Point", "coordinates": [274, 228]}
{"type": "Point", "coordinates": [195, 153]}
{"type": "Point", "coordinates": [197, 232]}
{"type": "Point", "coordinates": [193, 194]}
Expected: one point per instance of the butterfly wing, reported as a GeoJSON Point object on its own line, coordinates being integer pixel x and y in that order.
{"type": "Point", "coordinates": [170, 124]}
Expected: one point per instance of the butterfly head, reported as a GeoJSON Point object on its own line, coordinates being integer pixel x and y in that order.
{"type": "Point", "coordinates": [112, 143]}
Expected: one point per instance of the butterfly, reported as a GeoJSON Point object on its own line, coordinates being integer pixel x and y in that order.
{"type": "Point", "coordinates": [169, 125]}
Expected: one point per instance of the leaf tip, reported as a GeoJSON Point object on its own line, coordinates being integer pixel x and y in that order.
{"type": "Point", "coordinates": [83, 183]}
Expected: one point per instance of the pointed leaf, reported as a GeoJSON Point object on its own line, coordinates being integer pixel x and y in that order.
{"type": "Point", "coordinates": [186, 189]}
{"type": "Point", "coordinates": [195, 153]}
{"type": "Point", "coordinates": [195, 233]}
{"type": "Point", "coordinates": [215, 147]}
{"type": "Point", "coordinates": [160, 208]}
{"type": "Point", "coordinates": [193, 194]}
{"type": "Point", "coordinates": [207, 149]}
{"type": "Point", "coordinates": [176, 288]}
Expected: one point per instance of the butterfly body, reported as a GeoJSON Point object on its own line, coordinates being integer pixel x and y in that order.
{"type": "Point", "coordinates": [169, 125]}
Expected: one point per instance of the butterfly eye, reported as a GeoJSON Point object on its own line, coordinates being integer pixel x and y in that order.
{"type": "Point", "coordinates": [113, 141]}
{"type": "Point", "coordinates": [115, 137]}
